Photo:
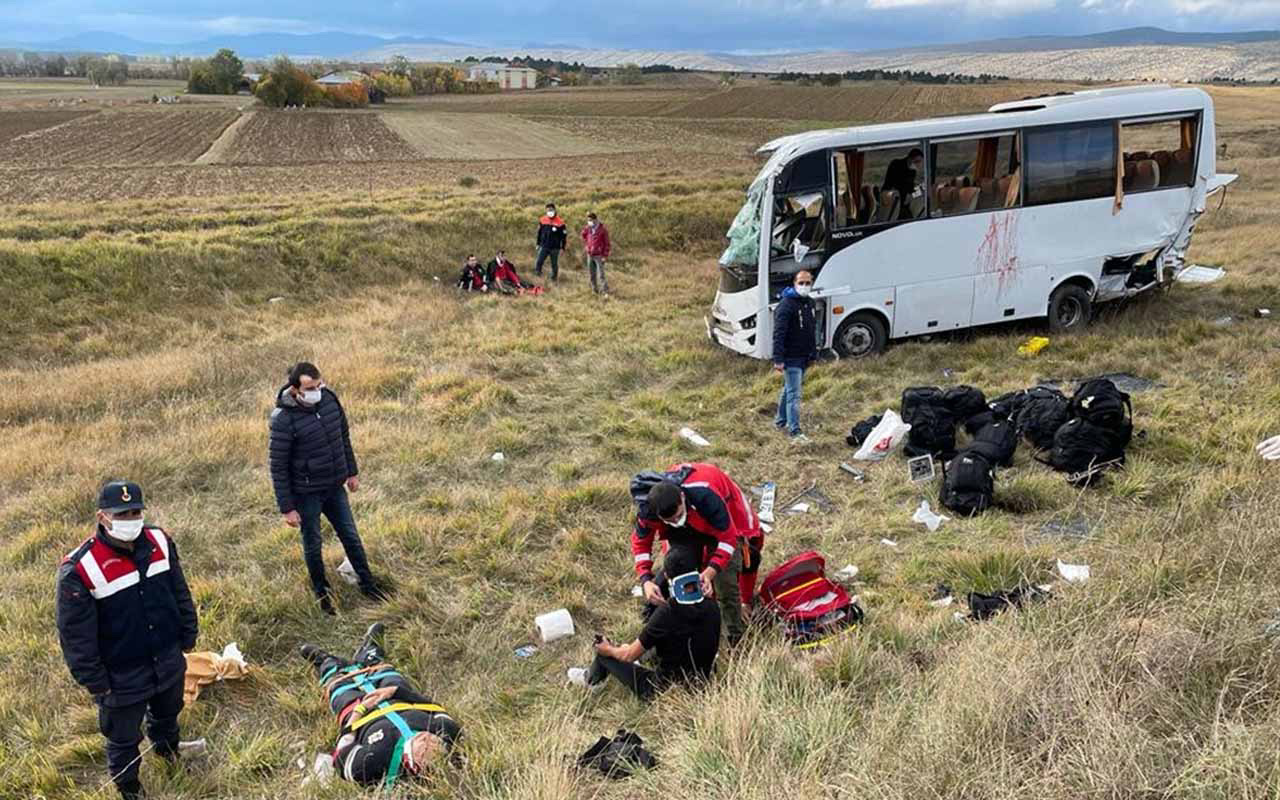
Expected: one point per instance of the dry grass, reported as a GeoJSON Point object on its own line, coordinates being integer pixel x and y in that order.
{"type": "Point", "coordinates": [139, 342]}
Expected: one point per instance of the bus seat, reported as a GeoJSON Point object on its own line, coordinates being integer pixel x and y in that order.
{"type": "Point", "coordinates": [967, 199]}
{"type": "Point", "coordinates": [1130, 172]}
{"type": "Point", "coordinates": [990, 197]}
{"type": "Point", "coordinates": [888, 210]}
{"type": "Point", "coordinates": [1164, 159]}
{"type": "Point", "coordinates": [947, 199]}
{"type": "Point", "coordinates": [1141, 155]}
{"type": "Point", "coordinates": [868, 206]}
{"type": "Point", "coordinates": [1146, 175]}
{"type": "Point", "coordinates": [1180, 168]}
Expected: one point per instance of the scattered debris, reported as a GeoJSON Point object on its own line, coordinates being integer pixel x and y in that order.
{"type": "Point", "coordinates": [884, 438]}
{"type": "Point", "coordinates": [1197, 274]}
{"type": "Point", "coordinates": [1262, 313]}
{"type": "Point", "coordinates": [1130, 383]}
{"type": "Point", "coordinates": [322, 770]}
{"type": "Point", "coordinates": [1223, 322]}
{"type": "Point", "coordinates": [205, 668]}
{"type": "Point", "coordinates": [275, 300]}
{"type": "Point", "coordinates": [693, 436]}
{"type": "Point", "coordinates": [846, 573]}
{"type": "Point", "coordinates": [985, 606]}
{"type": "Point", "coordinates": [816, 497]}
{"type": "Point", "coordinates": [527, 650]}
{"type": "Point", "coordinates": [767, 495]}
{"type": "Point", "coordinates": [948, 373]}
{"type": "Point", "coordinates": [888, 543]}
{"type": "Point", "coordinates": [799, 508]}
{"type": "Point", "coordinates": [925, 516]}
{"type": "Point", "coordinates": [348, 572]}
{"type": "Point", "coordinates": [943, 602]}
{"type": "Point", "coordinates": [920, 469]}
{"type": "Point", "coordinates": [1074, 528]}
{"type": "Point", "coordinates": [498, 456]}
{"type": "Point", "coordinates": [1033, 346]}
{"type": "Point", "coordinates": [619, 756]}
{"type": "Point", "coordinates": [636, 591]}
{"type": "Point", "coordinates": [861, 431]}
{"type": "Point", "coordinates": [1073, 573]}
{"type": "Point", "coordinates": [195, 747]}
{"type": "Point", "coordinates": [1270, 449]}
{"type": "Point", "coordinates": [554, 625]}
{"type": "Point", "coordinates": [858, 475]}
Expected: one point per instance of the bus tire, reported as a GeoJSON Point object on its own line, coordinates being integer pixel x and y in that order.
{"type": "Point", "coordinates": [861, 336]}
{"type": "Point", "coordinates": [1070, 309]}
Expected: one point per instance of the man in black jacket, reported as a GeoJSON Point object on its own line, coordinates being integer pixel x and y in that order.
{"type": "Point", "coordinates": [125, 617]}
{"type": "Point", "coordinates": [795, 347]}
{"type": "Point", "coordinates": [311, 463]}
{"type": "Point", "coordinates": [552, 239]}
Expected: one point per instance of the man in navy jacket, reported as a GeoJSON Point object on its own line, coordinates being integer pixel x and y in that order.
{"type": "Point", "coordinates": [125, 617]}
{"type": "Point", "coordinates": [795, 347]}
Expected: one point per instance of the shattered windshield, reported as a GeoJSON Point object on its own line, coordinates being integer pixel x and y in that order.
{"type": "Point", "coordinates": [744, 233]}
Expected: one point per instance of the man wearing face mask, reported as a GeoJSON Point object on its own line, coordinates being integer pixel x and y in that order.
{"type": "Point", "coordinates": [595, 238]}
{"type": "Point", "coordinates": [699, 506]}
{"type": "Point", "coordinates": [125, 617]}
{"type": "Point", "coordinates": [553, 237]}
{"type": "Point", "coordinates": [389, 729]}
{"type": "Point", "coordinates": [795, 347]}
{"type": "Point", "coordinates": [312, 467]}
{"type": "Point", "coordinates": [903, 176]}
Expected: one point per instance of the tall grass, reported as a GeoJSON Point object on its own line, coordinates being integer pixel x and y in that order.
{"type": "Point", "coordinates": [145, 346]}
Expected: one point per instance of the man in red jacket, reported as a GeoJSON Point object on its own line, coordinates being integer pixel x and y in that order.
{"type": "Point", "coordinates": [596, 238]}
{"type": "Point", "coordinates": [698, 505]}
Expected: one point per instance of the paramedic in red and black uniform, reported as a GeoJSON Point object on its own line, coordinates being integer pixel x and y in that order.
{"type": "Point", "coordinates": [125, 617]}
{"type": "Point", "coordinates": [699, 505]}
{"type": "Point", "coordinates": [389, 729]}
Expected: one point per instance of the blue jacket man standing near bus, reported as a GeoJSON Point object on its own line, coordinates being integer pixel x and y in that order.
{"type": "Point", "coordinates": [795, 347]}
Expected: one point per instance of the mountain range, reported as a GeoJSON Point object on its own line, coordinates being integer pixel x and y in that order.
{"type": "Point", "coordinates": [1129, 54]}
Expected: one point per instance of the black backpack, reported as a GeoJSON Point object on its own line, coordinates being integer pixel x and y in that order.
{"type": "Point", "coordinates": [1099, 402]}
{"type": "Point", "coordinates": [1080, 445]}
{"type": "Point", "coordinates": [859, 433]}
{"type": "Point", "coordinates": [618, 757]}
{"type": "Point", "coordinates": [997, 442]}
{"type": "Point", "coordinates": [933, 426]}
{"type": "Point", "coordinates": [974, 425]}
{"type": "Point", "coordinates": [1007, 406]}
{"type": "Point", "coordinates": [965, 401]}
{"type": "Point", "coordinates": [968, 484]}
{"type": "Point", "coordinates": [1043, 411]}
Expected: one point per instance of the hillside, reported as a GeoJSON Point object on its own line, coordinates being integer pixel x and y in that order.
{"type": "Point", "coordinates": [141, 339]}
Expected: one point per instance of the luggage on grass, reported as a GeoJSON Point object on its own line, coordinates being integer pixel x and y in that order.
{"type": "Point", "coordinates": [968, 483]}
{"type": "Point", "coordinates": [1043, 411]}
{"type": "Point", "coordinates": [810, 607]}
{"type": "Point", "coordinates": [933, 425]}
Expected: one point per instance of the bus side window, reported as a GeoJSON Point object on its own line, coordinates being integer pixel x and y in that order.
{"type": "Point", "coordinates": [975, 175]}
{"type": "Point", "coordinates": [879, 185]}
{"type": "Point", "coordinates": [1159, 154]}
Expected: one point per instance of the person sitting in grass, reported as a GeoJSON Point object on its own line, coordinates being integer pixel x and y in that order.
{"type": "Point", "coordinates": [473, 278]}
{"type": "Point", "coordinates": [502, 276]}
{"type": "Point", "coordinates": [683, 630]}
{"type": "Point", "coordinates": [389, 729]}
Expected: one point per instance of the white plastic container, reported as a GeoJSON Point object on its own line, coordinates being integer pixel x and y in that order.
{"type": "Point", "coordinates": [554, 625]}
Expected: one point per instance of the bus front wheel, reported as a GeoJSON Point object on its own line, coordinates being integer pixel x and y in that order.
{"type": "Point", "coordinates": [861, 336]}
{"type": "Point", "coordinates": [1070, 309]}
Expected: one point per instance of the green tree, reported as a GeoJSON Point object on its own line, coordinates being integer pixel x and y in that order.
{"type": "Point", "coordinates": [399, 65]}
{"type": "Point", "coordinates": [286, 85]}
{"type": "Point", "coordinates": [227, 71]}
{"type": "Point", "coordinates": [630, 75]}
{"type": "Point", "coordinates": [109, 71]}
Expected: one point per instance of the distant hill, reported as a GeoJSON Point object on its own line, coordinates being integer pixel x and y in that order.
{"type": "Point", "coordinates": [1129, 37]}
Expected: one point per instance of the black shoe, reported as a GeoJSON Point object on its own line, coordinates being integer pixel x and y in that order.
{"type": "Point", "coordinates": [370, 649]}
{"type": "Point", "coordinates": [313, 654]}
{"type": "Point", "coordinates": [375, 590]}
{"type": "Point", "coordinates": [326, 605]}
{"type": "Point", "coordinates": [131, 791]}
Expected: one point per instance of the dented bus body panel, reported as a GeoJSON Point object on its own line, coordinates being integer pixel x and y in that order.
{"type": "Point", "coordinates": [958, 254]}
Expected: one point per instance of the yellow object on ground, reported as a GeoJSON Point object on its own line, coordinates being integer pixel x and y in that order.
{"type": "Point", "coordinates": [206, 668]}
{"type": "Point", "coordinates": [1033, 345]}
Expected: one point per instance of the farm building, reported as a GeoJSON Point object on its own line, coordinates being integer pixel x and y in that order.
{"type": "Point", "coordinates": [507, 76]}
{"type": "Point", "coordinates": [342, 77]}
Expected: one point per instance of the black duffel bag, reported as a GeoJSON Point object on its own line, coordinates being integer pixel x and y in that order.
{"type": "Point", "coordinates": [968, 484]}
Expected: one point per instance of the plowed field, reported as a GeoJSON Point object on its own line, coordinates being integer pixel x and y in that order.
{"type": "Point", "coordinates": [305, 137]}
{"type": "Point", "coordinates": [17, 123]}
{"type": "Point", "coordinates": [125, 138]}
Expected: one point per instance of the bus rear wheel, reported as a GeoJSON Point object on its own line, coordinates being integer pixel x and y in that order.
{"type": "Point", "coordinates": [861, 336]}
{"type": "Point", "coordinates": [1070, 309]}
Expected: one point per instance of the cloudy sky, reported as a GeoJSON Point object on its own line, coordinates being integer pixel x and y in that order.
{"type": "Point", "coordinates": [748, 25]}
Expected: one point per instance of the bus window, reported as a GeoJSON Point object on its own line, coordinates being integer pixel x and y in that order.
{"type": "Point", "coordinates": [1159, 154]}
{"type": "Point", "coordinates": [1071, 162]}
{"type": "Point", "coordinates": [975, 175]}
{"type": "Point", "coordinates": [878, 185]}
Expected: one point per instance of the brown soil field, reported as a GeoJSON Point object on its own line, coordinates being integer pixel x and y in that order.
{"type": "Point", "coordinates": [302, 137]}
{"type": "Point", "coordinates": [587, 101]}
{"type": "Point", "coordinates": [141, 137]}
{"type": "Point", "coordinates": [16, 123]}
{"type": "Point", "coordinates": [492, 136]}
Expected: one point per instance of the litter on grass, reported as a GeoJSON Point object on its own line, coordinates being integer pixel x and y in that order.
{"type": "Point", "coordinates": [1198, 274]}
{"type": "Point", "coordinates": [888, 543]}
{"type": "Point", "coordinates": [767, 495]}
{"type": "Point", "coordinates": [554, 625]}
{"type": "Point", "coordinates": [498, 456]}
{"type": "Point", "coordinates": [322, 770]}
{"type": "Point", "coordinates": [942, 602]}
{"type": "Point", "coordinates": [195, 747]}
{"type": "Point", "coordinates": [920, 469]}
{"type": "Point", "coordinates": [348, 572]}
{"type": "Point", "coordinates": [694, 437]}
{"type": "Point", "coordinates": [636, 591]}
{"type": "Point", "coordinates": [925, 516]}
{"type": "Point", "coordinates": [884, 438]}
{"type": "Point", "coordinates": [526, 651]}
{"type": "Point", "coordinates": [206, 667]}
{"type": "Point", "coordinates": [799, 508]}
{"type": "Point", "coordinates": [1033, 346]}
{"type": "Point", "coordinates": [1073, 573]}
{"type": "Point", "coordinates": [1074, 528]}
{"type": "Point", "coordinates": [846, 573]}
{"type": "Point", "coordinates": [858, 475]}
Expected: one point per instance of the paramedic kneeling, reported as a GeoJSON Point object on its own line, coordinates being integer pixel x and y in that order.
{"type": "Point", "coordinates": [125, 616]}
{"type": "Point", "coordinates": [389, 729]}
{"type": "Point", "coordinates": [684, 633]}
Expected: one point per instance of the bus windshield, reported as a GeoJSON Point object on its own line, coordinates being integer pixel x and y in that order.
{"type": "Point", "coordinates": [744, 233]}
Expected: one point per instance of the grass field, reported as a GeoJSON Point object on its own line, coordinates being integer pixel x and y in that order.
{"type": "Point", "coordinates": [140, 341]}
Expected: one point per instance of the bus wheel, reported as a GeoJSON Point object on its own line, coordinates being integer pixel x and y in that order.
{"type": "Point", "coordinates": [1070, 309]}
{"type": "Point", "coordinates": [861, 336]}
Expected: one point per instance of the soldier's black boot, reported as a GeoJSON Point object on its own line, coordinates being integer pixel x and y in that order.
{"type": "Point", "coordinates": [370, 649]}
{"type": "Point", "coordinates": [313, 654]}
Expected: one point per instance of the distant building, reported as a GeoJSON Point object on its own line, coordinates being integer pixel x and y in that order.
{"type": "Point", "coordinates": [507, 76]}
{"type": "Point", "coordinates": [343, 76]}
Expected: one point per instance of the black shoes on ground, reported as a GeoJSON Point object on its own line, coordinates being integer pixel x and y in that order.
{"type": "Point", "coordinates": [370, 649]}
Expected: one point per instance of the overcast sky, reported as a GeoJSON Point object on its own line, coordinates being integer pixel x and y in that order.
{"type": "Point", "coordinates": [753, 25]}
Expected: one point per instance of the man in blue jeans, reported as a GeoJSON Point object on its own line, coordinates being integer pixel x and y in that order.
{"type": "Point", "coordinates": [795, 347]}
{"type": "Point", "coordinates": [312, 468]}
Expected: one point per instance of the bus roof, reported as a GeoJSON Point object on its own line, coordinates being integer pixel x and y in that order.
{"type": "Point", "coordinates": [1129, 101]}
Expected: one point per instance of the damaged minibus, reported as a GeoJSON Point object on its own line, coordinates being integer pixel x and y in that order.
{"type": "Point", "coordinates": [1044, 207]}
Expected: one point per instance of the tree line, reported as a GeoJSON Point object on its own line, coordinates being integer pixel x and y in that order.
{"type": "Point", "coordinates": [902, 76]}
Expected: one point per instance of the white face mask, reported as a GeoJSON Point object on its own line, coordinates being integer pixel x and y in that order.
{"type": "Point", "coordinates": [679, 521]}
{"type": "Point", "coordinates": [126, 530]}
{"type": "Point", "coordinates": [804, 291]}
{"type": "Point", "coordinates": [311, 397]}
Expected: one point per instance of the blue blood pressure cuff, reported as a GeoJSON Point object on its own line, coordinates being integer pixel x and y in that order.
{"type": "Point", "coordinates": [686, 589]}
